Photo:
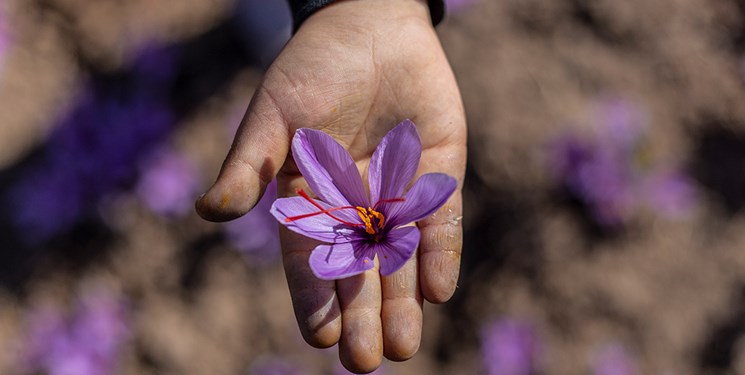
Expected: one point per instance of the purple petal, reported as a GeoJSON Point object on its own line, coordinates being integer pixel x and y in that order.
{"type": "Point", "coordinates": [328, 168]}
{"type": "Point", "coordinates": [320, 227]}
{"type": "Point", "coordinates": [394, 162]}
{"type": "Point", "coordinates": [340, 260]}
{"type": "Point", "coordinates": [399, 246]}
{"type": "Point", "coordinates": [428, 194]}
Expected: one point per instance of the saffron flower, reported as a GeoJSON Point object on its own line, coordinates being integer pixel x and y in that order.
{"type": "Point", "coordinates": [354, 226]}
{"type": "Point", "coordinates": [88, 342]}
{"type": "Point", "coordinates": [93, 149]}
{"type": "Point", "coordinates": [510, 347]}
{"type": "Point", "coordinates": [612, 173]}
{"type": "Point", "coordinates": [91, 153]}
{"type": "Point", "coordinates": [168, 183]}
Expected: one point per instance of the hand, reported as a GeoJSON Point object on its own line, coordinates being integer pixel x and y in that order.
{"type": "Point", "coordinates": [354, 70]}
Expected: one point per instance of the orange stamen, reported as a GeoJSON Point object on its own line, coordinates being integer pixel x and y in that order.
{"type": "Point", "coordinates": [367, 216]}
{"type": "Point", "coordinates": [379, 216]}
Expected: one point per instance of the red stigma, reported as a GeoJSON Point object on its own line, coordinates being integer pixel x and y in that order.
{"type": "Point", "coordinates": [324, 211]}
{"type": "Point", "coordinates": [303, 194]}
{"type": "Point", "coordinates": [387, 201]}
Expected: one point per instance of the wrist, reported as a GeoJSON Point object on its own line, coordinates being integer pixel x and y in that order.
{"type": "Point", "coordinates": [431, 11]}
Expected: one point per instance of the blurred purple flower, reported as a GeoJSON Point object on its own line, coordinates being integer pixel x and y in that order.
{"type": "Point", "coordinates": [274, 366]}
{"type": "Point", "coordinates": [596, 176]}
{"type": "Point", "coordinates": [510, 347]}
{"type": "Point", "coordinates": [44, 325]}
{"type": "Point", "coordinates": [340, 370]}
{"type": "Point", "coordinates": [613, 360]}
{"type": "Point", "coordinates": [5, 39]}
{"type": "Point", "coordinates": [355, 227]}
{"type": "Point", "coordinates": [670, 193]}
{"type": "Point", "coordinates": [458, 5]}
{"type": "Point", "coordinates": [609, 175]}
{"type": "Point", "coordinates": [87, 343]}
{"type": "Point", "coordinates": [93, 150]}
{"type": "Point", "coordinates": [265, 26]}
{"type": "Point", "coordinates": [155, 66]}
{"type": "Point", "coordinates": [256, 234]}
{"type": "Point", "coordinates": [4, 42]}
{"type": "Point", "coordinates": [621, 125]}
{"type": "Point", "coordinates": [168, 184]}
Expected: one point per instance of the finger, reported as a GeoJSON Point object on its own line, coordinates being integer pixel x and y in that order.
{"type": "Point", "coordinates": [402, 312]}
{"type": "Point", "coordinates": [313, 300]}
{"type": "Point", "coordinates": [361, 342]}
{"type": "Point", "coordinates": [259, 149]}
{"type": "Point", "coordinates": [443, 125]}
{"type": "Point", "coordinates": [442, 233]}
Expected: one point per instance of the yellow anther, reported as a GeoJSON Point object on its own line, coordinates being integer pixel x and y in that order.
{"type": "Point", "coordinates": [362, 212]}
{"type": "Point", "coordinates": [379, 216]}
{"type": "Point", "coordinates": [367, 215]}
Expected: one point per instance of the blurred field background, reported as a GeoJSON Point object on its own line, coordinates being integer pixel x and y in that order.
{"type": "Point", "coordinates": [604, 195]}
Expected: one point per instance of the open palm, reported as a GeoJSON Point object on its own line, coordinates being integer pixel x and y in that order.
{"type": "Point", "coordinates": [354, 70]}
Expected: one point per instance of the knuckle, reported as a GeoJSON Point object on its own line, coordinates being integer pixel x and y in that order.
{"type": "Point", "coordinates": [443, 237]}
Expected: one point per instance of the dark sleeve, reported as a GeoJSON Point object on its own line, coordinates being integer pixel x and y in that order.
{"type": "Point", "coordinates": [302, 9]}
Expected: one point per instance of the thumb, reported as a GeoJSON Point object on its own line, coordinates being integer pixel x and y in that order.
{"type": "Point", "coordinates": [258, 151]}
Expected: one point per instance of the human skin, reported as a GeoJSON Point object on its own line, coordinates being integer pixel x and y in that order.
{"type": "Point", "coordinates": [354, 70]}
